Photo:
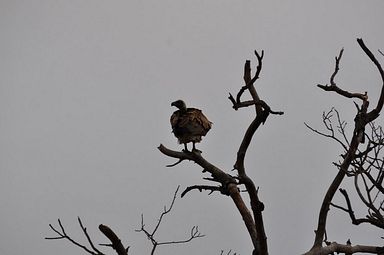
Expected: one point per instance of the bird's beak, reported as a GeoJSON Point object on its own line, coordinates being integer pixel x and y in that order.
{"type": "Point", "coordinates": [173, 104]}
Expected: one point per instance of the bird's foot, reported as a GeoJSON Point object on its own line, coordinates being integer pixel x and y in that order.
{"type": "Point", "coordinates": [196, 150]}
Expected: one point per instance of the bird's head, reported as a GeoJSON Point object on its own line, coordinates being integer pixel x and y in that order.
{"type": "Point", "coordinates": [180, 105]}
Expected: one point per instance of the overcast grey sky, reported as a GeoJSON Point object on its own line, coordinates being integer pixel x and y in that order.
{"type": "Point", "coordinates": [85, 92]}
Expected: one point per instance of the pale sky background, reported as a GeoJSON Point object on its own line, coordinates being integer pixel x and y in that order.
{"type": "Point", "coordinates": [85, 93]}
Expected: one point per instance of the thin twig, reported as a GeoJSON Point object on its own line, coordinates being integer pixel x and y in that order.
{"type": "Point", "coordinates": [151, 234]}
{"type": "Point", "coordinates": [63, 235]}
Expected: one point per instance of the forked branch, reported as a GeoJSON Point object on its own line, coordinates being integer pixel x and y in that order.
{"type": "Point", "coordinates": [333, 87]}
{"type": "Point", "coordinates": [228, 184]}
{"type": "Point", "coordinates": [362, 119]}
{"type": "Point", "coordinates": [194, 233]}
{"type": "Point", "coordinates": [62, 234]}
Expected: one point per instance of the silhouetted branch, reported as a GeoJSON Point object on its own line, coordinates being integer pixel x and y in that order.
{"type": "Point", "coordinates": [217, 174]}
{"type": "Point", "coordinates": [200, 188]}
{"type": "Point", "coordinates": [340, 128]}
{"type": "Point", "coordinates": [333, 87]}
{"type": "Point", "coordinates": [63, 235]}
{"type": "Point", "coordinates": [115, 240]}
{"type": "Point", "coordinates": [249, 84]}
{"type": "Point", "coordinates": [375, 112]}
{"type": "Point", "coordinates": [194, 233]}
{"type": "Point", "coordinates": [249, 81]}
{"type": "Point", "coordinates": [176, 163]}
{"type": "Point", "coordinates": [375, 216]}
{"type": "Point", "coordinates": [350, 158]}
{"type": "Point", "coordinates": [228, 184]}
{"type": "Point", "coordinates": [349, 209]}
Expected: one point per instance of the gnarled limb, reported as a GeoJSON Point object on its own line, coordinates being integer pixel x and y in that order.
{"type": "Point", "coordinates": [217, 174]}
{"type": "Point", "coordinates": [228, 184]}
{"type": "Point", "coordinates": [333, 132]}
{"type": "Point", "coordinates": [333, 87]}
{"type": "Point", "coordinates": [374, 113]}
{"type": "Point", "coordinates": [116, 243]}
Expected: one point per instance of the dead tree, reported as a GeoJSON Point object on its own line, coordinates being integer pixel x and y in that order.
{"type": "Point", "coordinates": [362, 160]}
{"type": "Point", "coordinates": [365, 165]}
{"type": "Point", "coordinates": [228, 184]}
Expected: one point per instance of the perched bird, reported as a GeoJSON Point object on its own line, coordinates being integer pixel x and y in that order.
{"type": "Point", "coordinates": [189, 124]}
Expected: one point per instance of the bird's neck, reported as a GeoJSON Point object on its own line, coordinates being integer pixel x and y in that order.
{"type": "Point", "coordinates": [183, 109]}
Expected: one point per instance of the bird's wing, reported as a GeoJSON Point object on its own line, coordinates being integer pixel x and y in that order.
{"type": "Point", "coordinates": [196, 116]}
{"type": "Point", "coordinates": [174, 119]}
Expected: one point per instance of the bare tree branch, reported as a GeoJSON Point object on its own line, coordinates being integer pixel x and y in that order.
{"type": "Point", "coordinates": [228, 184]}
{"type": "Point", "coordinates": [349, 209]}
{"type": "Point", "coordinates": [194, 233]}
{"type": "Point", "coordinates": [115, 240]}
{"type": "Point", "coordinates": [327, 121]}
{"type": "Point", "coordinates": [375, 112]}
{"type": "Point", "coordinates": [262, 113]}
{"type": "Point", "coordinates": [205, 187]}
{"type": "Point", "coordinates": [87, 235]}
{"type": "Point", "coordinates": [333, 87]}
{"type": "Point", "coordinates": [63, 235]}
{"type": "Point", "coordinates": [367, 170]}
{"type": "Point", "coordinates": [361, 120]}
{"type": "Point", "coordinates": [195, 156]}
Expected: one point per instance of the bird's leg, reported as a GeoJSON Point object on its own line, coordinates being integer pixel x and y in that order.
{"type": "Point", "coordinates": [185, 147]}
{"type": "Point", "coordinates": [194, 148]}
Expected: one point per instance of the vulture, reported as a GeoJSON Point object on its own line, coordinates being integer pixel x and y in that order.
{"type": "Point", "coordinates": [189, 124]}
